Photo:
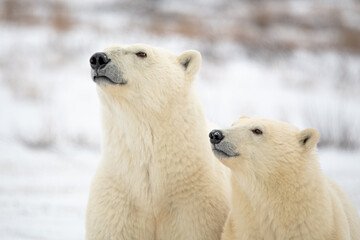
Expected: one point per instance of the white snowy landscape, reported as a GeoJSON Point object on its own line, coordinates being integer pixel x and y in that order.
{"type": "Point", "coordinates": [296, 61]}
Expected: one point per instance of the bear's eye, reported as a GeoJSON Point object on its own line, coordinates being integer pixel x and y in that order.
{"type": "Point", "coordinates": [257, 131]}
{"type": "Point", "coordinates": [141, 54]}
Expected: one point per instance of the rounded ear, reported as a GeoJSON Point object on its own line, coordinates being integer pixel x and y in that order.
{"type": "Point", "coordinates": [190, 61]}
{"type": "Point", "coordinates": [308, 138]}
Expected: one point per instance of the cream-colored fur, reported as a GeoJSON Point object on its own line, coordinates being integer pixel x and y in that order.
{"type": "Point", "coordinates": [279, 191]}
{"type": "Point", "coordinates": [157, 179]}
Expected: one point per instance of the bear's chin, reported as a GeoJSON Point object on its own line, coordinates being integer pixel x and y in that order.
{"type": "Point", "coordinates": [223, 151]}
{"type": "Point", "coordinates": [222, 154]}
{"type": "Point", "coordinates": [103, 80]}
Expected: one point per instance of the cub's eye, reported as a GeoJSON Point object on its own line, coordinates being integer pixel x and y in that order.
{"type": "Point", "coordinates": [141, 54]}
{"type": "Point", "coordinates": [257, 131]}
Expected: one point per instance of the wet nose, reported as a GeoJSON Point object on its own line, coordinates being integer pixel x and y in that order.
{"type": "Point", "coordinates": [216, 136]}
{"type": "Point", "coordinates": [99, 60]}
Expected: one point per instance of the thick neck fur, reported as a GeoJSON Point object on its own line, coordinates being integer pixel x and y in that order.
{"type": "Point", "coordinates": [285, 203]}
{"type": "Point", "coordinates": [149, 137]}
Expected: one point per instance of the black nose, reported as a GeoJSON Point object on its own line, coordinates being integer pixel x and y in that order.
{"type": "Point", "coordinates": [216, 136]}
{"type": "Point", "coordinates": [99, 60]}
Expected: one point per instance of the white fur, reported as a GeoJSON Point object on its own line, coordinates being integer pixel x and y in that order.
{"type": "Point", "coordinates": [157, 178]}
{"type": "Point", "coordinates": [279, 191]}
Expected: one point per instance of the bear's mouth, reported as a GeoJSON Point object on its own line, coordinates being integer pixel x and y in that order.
{"type": "Point", "coordinates": [220, 153]}
{"type": "Point", "coordinates": [105, 80]}
{"type": "Point", "coordinates": [223, 153]}
{"type": "Point", "coordinates": [108, 75]}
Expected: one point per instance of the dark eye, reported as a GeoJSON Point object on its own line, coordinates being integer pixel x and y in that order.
{"type": "Point", "coordinates": [141, 54]}
{"type": "Point", "coordinates": [257, 131]}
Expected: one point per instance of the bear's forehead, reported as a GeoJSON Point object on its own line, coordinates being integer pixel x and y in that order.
{"type": "Point", "coordinates": [141, 47]}
{"type": "Point", "coordinates": [268, 124]}
{"type": "Point", "coordinates": [138, 47]}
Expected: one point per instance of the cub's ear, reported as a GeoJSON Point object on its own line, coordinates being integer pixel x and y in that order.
{"type": "Point", "coordinates": [308, 138]}
{"type": "Point", "coordinates": [243, 117]}
{"type": "Point", "coordinates": [190, 61]}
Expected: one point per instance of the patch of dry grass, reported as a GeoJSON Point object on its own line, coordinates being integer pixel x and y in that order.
{"type": "Point", "coordinates": [60, 18]}
{"type": "Point", "coordinates": [337, 125]}
{"type": "Point", "coordinates": [23, 12]}
{"type": "Point", "coordinates": [253, 29]}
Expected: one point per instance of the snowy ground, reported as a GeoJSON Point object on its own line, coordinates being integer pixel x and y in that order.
{"type": "Point", "coordinates": [49, 111]}
{"type": "Point", "coordinates": [44, 193]}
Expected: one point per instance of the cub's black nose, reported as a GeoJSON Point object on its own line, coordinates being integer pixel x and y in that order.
{"type": "Point", "coordinates": [99, 60]}
{"type": "Point", "coordinates": [216, 136]}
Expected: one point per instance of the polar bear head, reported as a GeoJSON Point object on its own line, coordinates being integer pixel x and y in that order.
{"type": "Point", "coordinates": [143, 77]}
{"type": "Point", "coordinates": [263, 147]}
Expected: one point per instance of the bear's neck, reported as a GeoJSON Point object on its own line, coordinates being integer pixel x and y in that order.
{"type": "Point", "coordinates": [133, 137]}
{"type": "Point", "coordinates": [286, 201]}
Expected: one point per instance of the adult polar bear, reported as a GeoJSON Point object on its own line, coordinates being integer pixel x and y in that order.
{"type": "Point", "coordinates": [157, 178]}
{"type": "Point", "coordinates": [279, 191]}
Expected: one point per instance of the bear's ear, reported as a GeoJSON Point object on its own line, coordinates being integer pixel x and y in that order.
{"type": "Point", "coordinates": [244, 117]}
{"type": "Point", "coordinates": [308, 138]}
{"type": "Point", "coordinates": [190, 61]}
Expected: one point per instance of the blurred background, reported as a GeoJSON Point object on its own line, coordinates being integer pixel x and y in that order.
{"type": "Point", "coordinates": [296, 61]}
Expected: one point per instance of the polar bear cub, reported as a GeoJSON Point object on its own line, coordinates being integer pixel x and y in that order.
{"type": "Point", "coordinates": [157, 178]}
{"type": "Point", "coordinates": [279, 191]}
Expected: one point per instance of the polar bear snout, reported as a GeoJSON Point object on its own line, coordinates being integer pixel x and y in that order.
{"type": "Point", "coordinates": [103, 72]}
{"type": "Point", "coordinates": [216, 136]}
{"type": "Point", "coordinates": [222, 148]}
{"type": "Point", "coordinates": [99, 60]}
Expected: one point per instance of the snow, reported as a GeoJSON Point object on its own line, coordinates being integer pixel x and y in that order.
{"type": "Point", "coordinates": [44, 193]}
{"type": "Point", "coordinates": [49, 110]}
